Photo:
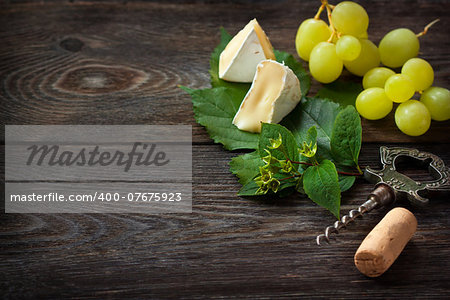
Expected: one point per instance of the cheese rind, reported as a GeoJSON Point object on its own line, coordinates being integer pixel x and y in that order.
{"type": "Point", "coordinates": [244, 52]}
{"type": "Point", "coordinates": [274, 93]}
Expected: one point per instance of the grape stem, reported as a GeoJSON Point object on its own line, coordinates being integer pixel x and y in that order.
{"type": "Point", "coordinates": [329, 7]}
{"type": "Point", "coordinates": [317, 16]}
{"type": "Point", "coordinates": [333, 29]}
{"type": "Point", "coordinates": [425, 30]}
{"type": "Point", "coordinates": [290, 177]}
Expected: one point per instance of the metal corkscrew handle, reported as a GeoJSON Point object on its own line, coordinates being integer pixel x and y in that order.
{"type": "Point", "coordinates": [392, 185]}
{"type": "Point", "coordinates": [382, 195]}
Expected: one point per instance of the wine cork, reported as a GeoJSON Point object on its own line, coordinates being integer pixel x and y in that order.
{"type": "Point", "coordinates": [385, 242]}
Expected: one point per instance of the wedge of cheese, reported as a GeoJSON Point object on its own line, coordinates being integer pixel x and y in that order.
{"type": "Point", "coordinates": [274, 93]}
{"type": "Point", "coordinates": [244, 52]}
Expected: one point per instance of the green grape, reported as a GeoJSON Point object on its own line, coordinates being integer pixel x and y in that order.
{"type": "Point", "coordinates": [348, 47]}
{"type": "Point", "coordinates": [399, 88]}
{"type": "Point", "coordinates": [325, 66]}
{"type": "Point", "coordinates": [373, 104]}
{"type": "Point", "coordinates": [363, 35]}
{"type": "Point", "coordinates": [420, 72]}
{"type": "Point", "coordinates": [377, 77]}
{"type": "Point", "coordinates": [369, 58]}
{"type": "Point", "coordinates": [437, 100]}
{"type": "Point", "coordinates": [398, 46]}
{"type": "Point", "coordinates": [412, 118]}
{"type": "Point", "coordinates": [309, 34]}
{"type": "Point", "coordinates": [350, 18]}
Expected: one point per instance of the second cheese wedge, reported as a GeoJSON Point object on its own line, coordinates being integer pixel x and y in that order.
{"type": "Point", "coordinates": [244, 52]}
{"type": "Point", "coordinates": [274, 93]}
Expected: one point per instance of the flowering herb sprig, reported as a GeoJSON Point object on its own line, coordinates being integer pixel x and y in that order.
{"type": "Point", "coordinates": [320, 161]}
{"type": "Point", "coordinates": [286, 163]}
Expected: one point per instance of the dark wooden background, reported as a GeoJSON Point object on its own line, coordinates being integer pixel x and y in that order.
{"type": "Point", "coordinates": [95, 62]}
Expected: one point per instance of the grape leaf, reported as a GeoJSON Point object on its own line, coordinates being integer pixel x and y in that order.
{"type": "Point", "coordinates": [246, 166]}
{"type": "Point", "coordinates": [346, 137]}
{"type": "Point", "coordinates": [330, 119]}
{"type": "Point", "coordinates": [297, 68]}
{"type": "Point", "coordinates": [214, 67]}
{"type": "Point", "coordinates": [272, 131]}
{"type": "Point", "coordinates": [342, 92]}
{"type": "Point", "coordinates": [215, 109]}
{"type": "Point", "coordinates": [322, 186]}
{"type": "Point", "coordinates": [314, 112]}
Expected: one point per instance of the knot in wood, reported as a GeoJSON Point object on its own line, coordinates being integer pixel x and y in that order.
{"type": "Point", "coordinates": [71, 44]}
{"type": "Point", "coordinates": [100, 79]}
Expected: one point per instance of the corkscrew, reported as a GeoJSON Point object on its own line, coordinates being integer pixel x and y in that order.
{"type": "Point", "coordinates": [392, 185]}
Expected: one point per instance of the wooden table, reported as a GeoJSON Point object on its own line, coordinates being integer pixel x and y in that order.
{"type": "Point", "coordinates": [229, 246]}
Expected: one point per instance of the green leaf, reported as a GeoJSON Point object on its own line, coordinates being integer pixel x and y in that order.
{"type": "Point", "coordinates": [286, 189]}
{"type": "Point", "coordinates": [342, 92]}
{"type": "Point", "coordinates": [322, 186]}
{"type": "Point", "coordinates": [297, 68]}
{"type": "Point", "coordinates": [323, 114]}
{"type": "Point", "coordinates": [225, 38]}
{"type": "Point", "coordinates": [299, 187]}
{"type": "Point", "coordinates": [272, 131]}
{"type": "Point", "coordinates": [346, 137]}
{"type": "Point", "coordinates": [248, 189]}
{"type": "Point", "coordinates": [242, 88]}
{"type": "Point", "coordinates": [311, 135]}
{"type": "Point", "coordinates": [215, 109]}
{"type": "Point", "coordinates": [246, 166]}
{"type": "Point", "coordinates": [314, 112]}
{"type": "Point", "coordinates": [346, 182]}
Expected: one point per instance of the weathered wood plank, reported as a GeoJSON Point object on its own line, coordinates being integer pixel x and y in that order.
{"type": "Point", "coordinates": [120, 63]}
{"type": "Point", "coordinates": [228, 246]}
{"type": "Point", "coordinates": [84, 63]}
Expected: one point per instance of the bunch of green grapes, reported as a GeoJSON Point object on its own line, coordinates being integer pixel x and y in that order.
{"type": "Point", "coordinates": [343, 43]}
{"type": "Point", "coordinates": [383, 87]}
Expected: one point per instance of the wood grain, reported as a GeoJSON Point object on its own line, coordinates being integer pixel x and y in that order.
{"type": "Point", "coordinates": [120, 63]}
{"type": "Point", "coordinates": [229, 246]}
{"type": "Point", "coordinates": [163, 45]}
